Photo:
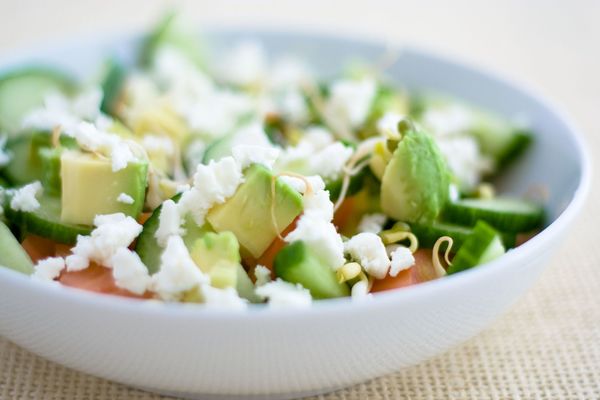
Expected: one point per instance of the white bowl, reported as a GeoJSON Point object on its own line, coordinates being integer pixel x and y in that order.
{"type": "Point", "coordinates": [194, 352]}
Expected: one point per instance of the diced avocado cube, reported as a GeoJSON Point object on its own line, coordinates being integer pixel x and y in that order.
{"type": "Point", "coordinates": [414, 186]}
{"type": "Point", "coordinates": [295, 263]}
{"type": "Point", "coordinates": [248, 212]}
{"type": "Point", "coordinates": [218, 255]}
{"type": "Point", "coordinates": [90, 187]}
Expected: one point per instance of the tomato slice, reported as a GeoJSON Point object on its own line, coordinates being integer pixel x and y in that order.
{"type": "Point", "coordinates": [422, 271]}
{"type": "Point", "coordinates": [98, 279]}
{"type": "Point", "coordinates": [38, 247]}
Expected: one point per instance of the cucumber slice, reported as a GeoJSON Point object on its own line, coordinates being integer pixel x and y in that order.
{"type": "Point", "coordinates": [498, 138]}
{"type": "Point", "coordinates": [484, 244]}
{"type": "Point", "coordinates": [428, 234]}
{"type": "Point", "coordinates": [13, 255]}
{"type": "Point", "coordinates": [296, 264]}
{"type": "Point", "coordinates": [50, 160]}
{"type": "Point", "coordinates": [147, 246]}
{"type": "Point", "coordinates": [218, 149]}
{"type": "Point", "coordinates": [24, 89]}
{"type": "Point", "coordinates": [45, 221]}
{"type": "Point", "coordinates": [26, 163]}
{"type": "Point", "coordinates": [112, 83]}
{"type": "Point", "coordinates": [505, 214]}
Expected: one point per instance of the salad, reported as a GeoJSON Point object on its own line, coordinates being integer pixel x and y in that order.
{"type": "Point", "coordinates": [229, 178]}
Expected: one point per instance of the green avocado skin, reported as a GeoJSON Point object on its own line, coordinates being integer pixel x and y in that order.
{"type": "Point", "coordinates": [415, 183]}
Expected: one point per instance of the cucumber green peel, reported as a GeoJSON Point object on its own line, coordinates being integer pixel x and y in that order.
{"type": "Point", "coordinates": [484, 244]}
{"type": "Point", "coordinates": [45, 221]}
{"type": "Point", "coordinates": [13, 256]}
{"type": "Point", "coordinates": [505, 214]}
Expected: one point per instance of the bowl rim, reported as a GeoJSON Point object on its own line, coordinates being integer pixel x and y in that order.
{"type": "Point", "coordinates": [150, 308]}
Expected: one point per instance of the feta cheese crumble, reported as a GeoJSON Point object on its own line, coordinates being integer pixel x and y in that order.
{"type": "Point", "coordinates": [282, 294]}
{"type": "Point", "coordinates": [244, 65]}
{"type": "Point", "coordinates": [169, 223]}
{"type": "Point", "coordinates": [402, 259]}
{"type": "Point", "coordinates": [246, 155]}
{"type": "Point", "coordinates": [350, 101]}
{"type": "Point", "coordinates": [316, 230]}
{"type": "Point", "coordinates": [112, 232]}
{"type": "Point", "coordinates": [262, 275]}
{"type": "Point", "coordinates": [372, 223]}
{"type": "Point", "coordinates": [24, 199]}
{"type": "Point", "coordinates": [49, 269]}
{"type": "Point", "coordinates": [178, 273]}
{"type": "Point", "coordinates": [388, 124]}
{"type": "Point", "coordinates": [213, 184]}
{"type": "Point", "coordinates": [129, 271]}
{"type": "Point", "coordinates": [222, 298]}
{"type": "Point", "coordinates": [314, 181]}
{"type": "Point", "coordinates": [125, 199]}
{"type": "Point", "coordinates": [368, 250]}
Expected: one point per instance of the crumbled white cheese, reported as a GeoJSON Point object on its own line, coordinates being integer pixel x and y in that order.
{"type": "Point", "coordinates": [372, 223]}
{"type": "Point", "coordinates": [252, 133]}
{"type": "Point", "coordinates": [247, 154]}
{"type": "Point", "coordinates": [282, 294]}
{"type": "Point", "coordinates": [291, 104]}
{"type": "Point", "coordinates": [112, 232]}
{"type": "Point", "coordinates": [319, 206]}
{"type": "Point", "coordinates": [447, 120]}
{"type": "Point", "coordinates": [125, 199]}
{"type": "Point", "coordinates": [24, 199]}
{"type": "Point", "coordinates": [464, 159]}
{"type": "Point", "coordinates": [388, 124]}
{"type": "Point", "coordinates": [178, 273]}
{"type": "Point", "coordinates": [92, 139]}
{"type": "Point", "coordinates": [48, 269]}
{"type": "Point", "coordinates": [59, 110]}
{"type": "Point", "coordinates": [169, 223]}
{"type": "Point", "coordinates": [158, 144]}
{"type": "Point", "coordinates": [129, 271]}
{"type": "Point", "coordinates": [244, 65]}
{"type": "Point", "coordinates": [330, 161]}
{"type": "Point", "coordinates": [213, 184]}
{"type": "Point", "coordinates": [368, 250]}
{"type": "Point", "coordinates": [218, 113]}
{"type": "Point", "coordinates": [322, 238]}
{"type": "Point", "coordinates": [315, 138]}
{"type": "Point", "coordinates": [262, 275]}
{"type": "Point", "coordinates": [350, 101]}
{"type": "Point", "coordinates": [315, 181]}
{"type": "Point", "coordinates": [5, 157]}
{"type": "Point", "coordinates": [360, 291]}
{"type": "Point", "coordinates": [402, 258]}
{"type": "Point", "coordinates": [222, 298]}
{"type": "Point", "coordinates": [183, 81]}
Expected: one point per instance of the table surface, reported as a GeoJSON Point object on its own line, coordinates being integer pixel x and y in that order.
{"type": "Point", "coordinates": [548, 345]}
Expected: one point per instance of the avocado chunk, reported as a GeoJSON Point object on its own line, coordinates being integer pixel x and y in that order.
{"type": "Point", "coordinates": [218, 255]}
{"type": "Point", "coordinates": [13, 255]}
{"type": "Point", "coordinates": [90, 187]}
{"type": "Point", "coordinates": [248, 212]}
{"type": "Point", "coordinates": [415, 183]}
{"type": "Point", "coordinates": [295, 263]}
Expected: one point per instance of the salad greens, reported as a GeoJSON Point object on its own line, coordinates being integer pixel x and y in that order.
{"type": "Point", "coordinates": [231, 176]}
